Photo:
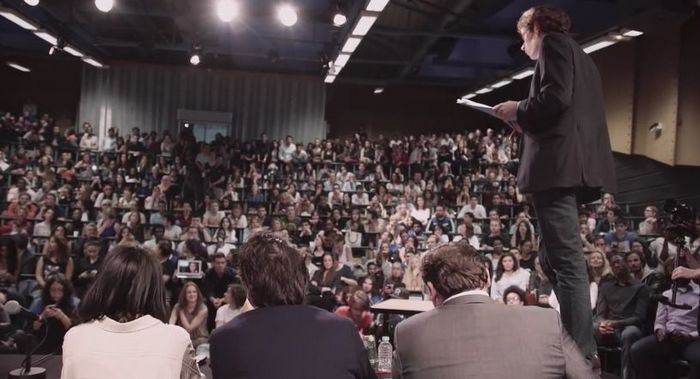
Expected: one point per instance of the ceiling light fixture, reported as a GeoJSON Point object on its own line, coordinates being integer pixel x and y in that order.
{"type": "Point", "coordinates": [523, 74]}
{"type": "Point", "coordinates": [32, 3]}
{"type": "Point", "coordinates": [365, 22]}
{"type": "Point", "coordinates": [18, 67]}
{"type": "Point", "coordinates": [330, 79]}
{"type": "Point", "coordinates": [287, 15]}
{"type": "Point", "coordinates": [501, 83]}
{"type": "Point", "coordinates": [339, 19]}
{"type": "Point", "coordinates": [227, 10]}
{"type": "Point", "coordinates": [17, 19]}
{"type": "Point", "coordinates": [377, 5]}
{"type": "Point", "coordinates": [195, 59]}
{"type": "Point", "coordinates": [46, 36]}
{"type": "Point", "coordinates": [484, 90]}
{"type": "Point", "coordinates": [92, 62]}
{"type": "Point", "coordinates": [342, 60]}
{"type": "Point", "coordinates": [73, 51]}
{"type": "Point", "coordinates": [104, 5]}
{"type": "Point", "coordinates": [469, 96]}
{"type": "Point", "coordinates": [631, 33]}
{"type": "Point", "coordinates": [597, 45]}
{"type": "Point", "coordinates": [378, 90]}
{"type": "Point", "coordinates": [351, 44]}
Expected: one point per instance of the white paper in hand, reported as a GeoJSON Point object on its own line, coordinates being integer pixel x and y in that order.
{"type": "Point", "coordinates": [478, 106]}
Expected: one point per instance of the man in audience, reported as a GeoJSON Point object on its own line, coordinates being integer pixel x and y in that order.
{"type": "Point", "coordinates": [216, 282]}
{"type": "Point", "coordinates": [213, 216]}
{"type": "Point", "coordinates": [157, 216]}
{"type": "Point", "coordinates": [495, 232]}
{"type": "Point", "coordinates": [441, 220]}
{"type": "Point", "coordinates": [88, 141]}
{"type": "Point", "coordinates": [650, 225]}
{"type": "Point", "coordinates": [440, 343]}
{"type": "Point", "coordinates": [620, 239]}
{"type": "Point", "coordinates": [287, 149]}
{"type": "Point", "coordinates": [675, 337]}
{"type": "Point", "coordinates": [310, 343]}
{"type": "Point", "coordinates": [620, 311]}
{"type": "Point", "coordinates": [476, 209]}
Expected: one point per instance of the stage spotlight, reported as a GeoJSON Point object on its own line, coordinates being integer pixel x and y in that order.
{"type": "Point", "coordinates": [227, 10]}
{"type": "Point", "coordinates": [195, 59]}
{"type": "Point", "coordinates": [104, 5]}
{"type": "Point", "coordinates": [33, 3]}
{"type": "Point", "coordinates": [339, 19]}
{"type": "Point", "coordinates": [287, 15]}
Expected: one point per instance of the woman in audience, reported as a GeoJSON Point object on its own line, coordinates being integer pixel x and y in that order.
{"type": "Point", "coordinates": [523, 232]}
{"type": "Point", "coordinates": [125, 306]}
{"type": "Point", "coordinates": [56, 260]}
{"type": "Point", "coordinates": [368, 285]}
{"type": "Point", "coordinates": [235, 298]}
{"type": "Point", "coordinates": [599, 266]}
{"type": "Point", "coordinates": [420, 212]}
{"type": "Point", "coordinates": [514, 295]}
{"type": "Point", "coordinates": [56, 308]}
{"type": "Point", "coordinates": [508, 273]}
{"type": "Point", "coordinates": [357, 310]}
{"type": "Point", "coordinates": [191, 314]}
{"type": "Point", "coordinates": [412, 276]}
{"type": "Point", "coordinates": [325, 280]}
{"type": "Point", "coordinates": [43, 229]}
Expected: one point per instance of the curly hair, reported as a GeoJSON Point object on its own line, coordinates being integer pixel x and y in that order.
{"type": "Point", "coordinates": [545, 19]}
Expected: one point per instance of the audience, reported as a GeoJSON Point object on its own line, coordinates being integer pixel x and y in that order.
{"type": "Point", "coordinates": [234, 299]}
{"type": "Point", "coordinates": [361, 208]}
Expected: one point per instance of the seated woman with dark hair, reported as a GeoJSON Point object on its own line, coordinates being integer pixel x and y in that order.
{"type": "Point", "coordinates": [514, 295]}
{"type": "Point", "coordinates": [124, 334]}
{"type": "Point", "coordinates": [56, 309]}
{"type": "Point", "coordinates": [235, 299]}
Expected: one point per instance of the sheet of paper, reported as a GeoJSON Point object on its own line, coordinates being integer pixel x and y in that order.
{"type": "Point", "coordinates": [478, 106]}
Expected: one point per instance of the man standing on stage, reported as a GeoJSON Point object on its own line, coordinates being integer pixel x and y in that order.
{"type": "Point", "coordinates": [566, 157]}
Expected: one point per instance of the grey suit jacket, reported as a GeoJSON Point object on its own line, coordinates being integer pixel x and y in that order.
{"type": "Point", "coordinates": [565, 141]}
{"type": "Point", "coordinates": [473, 337]}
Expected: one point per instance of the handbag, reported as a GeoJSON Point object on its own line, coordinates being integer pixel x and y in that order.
{"type": "Point", "coordinates": [353, 239]}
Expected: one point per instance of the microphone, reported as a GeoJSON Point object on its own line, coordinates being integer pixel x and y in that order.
{"type": "Point", "coordinates": [12, 307]}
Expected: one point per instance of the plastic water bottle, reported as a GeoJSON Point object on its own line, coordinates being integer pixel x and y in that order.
{"type": "Point", "coordinates": [385, 352]}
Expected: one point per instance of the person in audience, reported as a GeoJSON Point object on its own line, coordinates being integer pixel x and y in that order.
{"type": "Point", "coordinates": [650, 225]}
{"type": "Point", "coordinates": [44, 228]}
{"type": "Point", "coordinates": [412, 276]}
{"type": "Point", "coordinates": [456, 277]}
{"type": "Point", "coordinates": [124, 306]}
{"type": "Point", "coordinates": [620, 312]}
{"type": "Point", "coordinates": [56, 261]}
{"type": "Point", "coordinates": [514, 295]}
{"type": "Point", "coordinates": [9, 263]}
{"type": "Point", "coordinates": [620, 240]}
{"type": "Point", "coordinates": [599, 266]}
{"type": "Point", "coordinates": [675, 337]}
{"type": "Point", "coordinates": [357, 310]}
{"type": "Point", "coordinates": [508, 273]}
{"type": "Point", "coordinates": [474, 208]}
{"type": "Point", "coordinates": [419, 212]}
{"type": "Point", "coordinates": [539, 287]}
{"type": "Point", "coordinates": [495, 234]}
{"type": "Point", "coordinates": [88, 141]}
{"type": "Point", "coordinates": [87, 267]}
{"type": "Point", "coordinates": [191, 313]}
{"type": "Point", "coordinates": [234, 299]}
{"type": "Point", "coordinates": [213, 216]}
{"type": "Point", "coordinates": [274, 277]}
{"type": "Point", "coordinates": [636, 264]}
{"type": "Point", "coordinates": [522, 232]}
{"type": "Point", "coordinates": [607, 225]}
{"type": "Point", "coordinates": [367, 284]}
{"type": "Point", "coordinates": [441, 220]}
{"type": "Point", "coordinates": [526, 256]}
{"type": "Point", "coordinates": [57, 310]}
{"type": "Point", "coordinates": [216, 281]}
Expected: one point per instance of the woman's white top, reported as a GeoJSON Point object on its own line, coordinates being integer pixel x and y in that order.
{"type": "Point", "coordinates": [143, 348]}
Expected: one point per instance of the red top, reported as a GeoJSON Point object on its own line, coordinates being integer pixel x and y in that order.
{"type": "Point", "coordinates": [363, 323]}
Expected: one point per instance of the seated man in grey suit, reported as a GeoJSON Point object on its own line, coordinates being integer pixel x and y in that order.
{"type": "Point", "coordinates": [467, 335]}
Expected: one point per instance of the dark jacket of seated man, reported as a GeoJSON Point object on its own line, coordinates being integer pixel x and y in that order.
{"type": "Point", "coordinates": [281, 337]}
{"type": "Point", "coordinates": [467, 335]}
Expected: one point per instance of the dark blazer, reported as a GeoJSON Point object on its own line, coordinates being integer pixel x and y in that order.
{"type": "Point", "coordinates": [565, 142]}
{"type": "Point", "coordinates": [289, 341]}
{"type": "Point", "coordinates": [473, 337]}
